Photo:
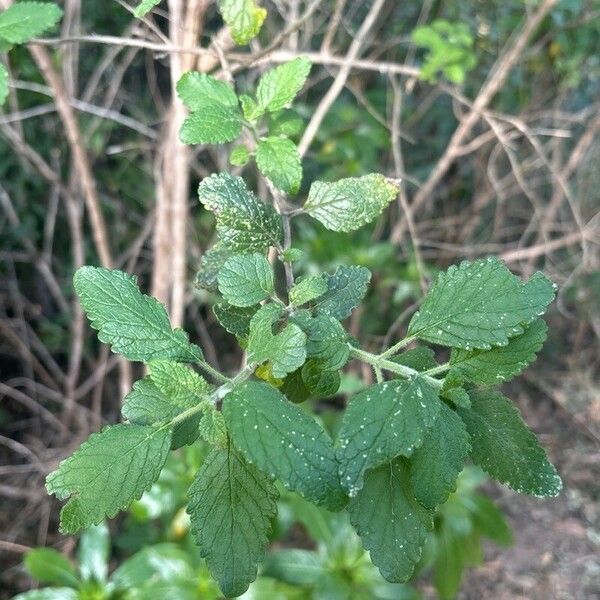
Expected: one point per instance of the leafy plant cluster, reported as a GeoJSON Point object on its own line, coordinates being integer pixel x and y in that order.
{"type": "Point", "coordinates": [402, 442]}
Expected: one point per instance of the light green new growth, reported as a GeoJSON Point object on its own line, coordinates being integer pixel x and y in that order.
{"type": "Point", "coordinates": [279, 86]}
{"type": "Point", "coordinates": [243, 17]}
{"type": "Point", "coordinates": [23, 21]}
{"type": "Point", "coordinates": [144, 7]}
{"type": "Point", "coordinates": [278, 160]}
{"type": "Point", "coordinates": [3, 84]}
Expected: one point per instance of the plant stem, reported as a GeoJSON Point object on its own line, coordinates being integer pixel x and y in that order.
{"type": "Point", "coordinates": [438, 369]}
{"type": "Point", "coordinates": [378, 362]}
{"type": "Point", "coordinates": [401, 344]}
{"type": "Point", "coordinates": [212, 371]}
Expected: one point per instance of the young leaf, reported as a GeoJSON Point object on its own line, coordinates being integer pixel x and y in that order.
{"type": "Point", "coordinates": [349, 203]}
{"type": "Point", "coordinates": [144, 7]}
{"type": "Point", "coordinates": [505, 447]}
{"type": "Point", "coordinates": [3, 84]}
{"type": "Point", "coordinates": [135, 325]}
{"type": "Point", "coordinates": [244, 223]}
{"type": "Point", "coordinates": [98, 477]}
{"type": "Point", "coordinates": [480, 304]}
{"type": "Point", "coordinates": [286, 350]}
{"type": "Point", "coordinates": [245, 280]}
{"type": "Point", "coordinates": [308, 289]}
{"type": "Point", "coordinates": [243, 17]}
{"type": "Point", "coordinates": [250, 108]}
{"type": "Point", "coordinates": [279, 86]}
{"type": "Point", "coordinates": [239, 156]}
{"type": "Point", "coordinates": [502, 363]}
{"type": "Point", "coordinates": [46, 565]}
{"type": "Point", "coordinates": [435, 466]}
{"type": "Point", "coordinates": [235, 319]}
{"type": "Point", "coordinates": [279, 160]}
{"type": "Point", "coordinates": [231, 507]}
{"type": "Point", "coordinates": [392, 524]}
{"type": "Point", "coordinates": [384, 421]}
{"type": "Point", "coordinates": [284, 441]}
{"type": "Point", "coordinates": [25, 20]}
{"type": "Point", "coordinates": [346, 289]}
{"type": "Point", "coordinates": [286, 122]}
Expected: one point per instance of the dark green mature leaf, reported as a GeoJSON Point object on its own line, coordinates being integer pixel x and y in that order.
{"type": "Point", "coordinates": [294, 388]}
{"type": "Point", "coordinates": [216, 115]}
{"type": "Point", "coordinates": [46, 565]}
{"type": "Point", "coordinates": [25, 20]}
{"type": "Point", "coordinates": [346, 289]}
{"type": "Point", "coordinates": [244, 223]}
{"type": "Point", "coordinates": [279, 86]}
{"type": "Point", "coordinates": [97, 478]}
{"type": "Point", "coordinates": [235, 319]}
{"type": "Point", "coordinates": [392, 524]}
{"type": "Point", "coordinates": [502, 363]}
{"type": "Point", "coordinates": [284, 441]}
{"type": "Point", "coordinates": [135, 325]}
{"type": "Point", "coordinates": [285, 350]}
{"type": "Point", "coordinates": [319, 380]}
{"type": "Point", "coordinates": [435, 466]}
{"type": "Point", "coordinates": [243, 17]}
{"type": "Point", "coordinates": [480, 304]}
{"type": "Point", "coordinates": [279, 160]}
{"type": "Point", "coordinates": [419, 359]}
{"type": "Point", "coordinates": [246, 279]}
{"type": "Point", "coordinates": [144, 7]}
{"type": "Point", "coordinates": [382, 422]}
{"type": "Point", "coordinates": [231, 507]}
{"type": "Point", "coordinates": [211, 263]}
{"type": "Point", "coordinates": [505, 447]}
{"type": "Point", "coordinates": [349, 203]}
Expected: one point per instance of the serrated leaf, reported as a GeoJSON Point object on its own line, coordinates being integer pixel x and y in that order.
{"type": "Point", "coordinates": [231, 507]}
{"type": "Point", "coordinates": [349, 203]}
{"type": "Point", "coordinates": [435, 466]}
{"type": "Point", "coordinates": [384, 421]}
{"type": "Point", "coordinates": [216, 116]}
{"type": "Point", "coordinates": [284, 441]}
{"type": "Point", "coordinates": [320, 381]}
{"type": "Point", "coordinates": [502, 363]}
{"type": "Point", "coordinates": [504, 447]}
{"type": "Point", "coordinates": [480, 304]}
{"type": "Point", "coordinates": [212, 428]}
{"type": "Point", "coordinates": [250, 109]}
{"type": "Point", "coordinates": [25, 20]}
{"type": "Point", "coordinates": [285, 350]}
{"type": "Point", "coordinates": [419, 359]}
{"type": "Point", "coordinates": [235, 319]}
{"type": "Point", "coordinates": [346, 289]}
{"type": "Point", "coordinates": [97, 478]}
{"type": "Point", "coordinates": [307, 289]}
{"type": "Point", "coordinates": [211, 263]}
{"type": "Point", "coordinates": [393, 526]}
{"type": "Point", "coordinates": [279, 86]}
{"type": "Point", "coordinates": [3, 84]}
{"type": "Point", "coordinates": [244, 223]}
{"type": "Point", "coordinates": [144, 7]}
{"type": "Point", "coordinates": [326, 340]}
{"type": "Point", "coordinates": [135, 325]}
{"type": "Point", "coordinates": [243, 17]}
{"type": "Point", "coordinates": [286, 122]}
{"type": "Point", "coordinates": [239, 156]}
{"type": "Point", "coordinates": [246, 279]}
{"type": "Point", "coordinates": [46, 565]}
{"type": "Point", "coordinates": [279, 160]}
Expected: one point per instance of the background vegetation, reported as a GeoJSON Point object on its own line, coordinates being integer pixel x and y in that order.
{"type": "Point", "coordinates": [489, 113]}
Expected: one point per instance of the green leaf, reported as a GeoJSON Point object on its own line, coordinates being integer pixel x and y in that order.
{"type": "Point", "coordinates": [327, 341]}
{"type": "Point", "coordinates": [49, 594]}
{"type": "Point", "coordinates": [279, 86]}
{"type": "Point", "coordinates": [296, 567]}
{"type": "Point", "coordinates": [216, 115]}
{"type": "Point", "coordinates": [382, 422]}
{"type": "Point", "coordinates": [292, 255]}
{"type": "Point", "coordinates": [144, 7]}
{"type": "Point", "coordinates": [93, 553]}
{"type": "Point", "coordinates": [349, 203]}
{"type": "Point", "coordinates": [504, 447]}
{"type": "Point", "coordinates": [250, 109]}
{"type": "Point", "coordinates": [419, 359]}
{"type": "Point", "coordinates": [392, 524]}
{"type": "Point", "coordinates": [307, 289]}
{"type": "Point", "coordinates": [46, 565]}
{"type": "Point", "coordinates": [235, 319]}
{"type": "Point", "coordinates": [26, 20]}
{"type": "Point", "coordinates": [480, 304]}
{"type": "Point", "coordinates": [320, 381]}
{"type": "Point", "coordinates": [243, 17]}
{"type": "Point", "coordinates": [212, 428]}
{"type": "Point", "coordinates": [279, 160]}
{"type": "Point", "coordinates": [286, 350]}
{"type": "Point", "coordinates": [135, 325]}
{"type": "Point", "coordinates": [3, 84]}
{"type": "Point", "coordinates": [284, 441]}
{"type": "Point", "coordinates": [231, 507]}
{"type": "Point", "coordinates": [294, 388]}
{"type": "Point", "coordinates": [211, 263]}
{"type": "Point", "coordinates": [239, 156]}
{"type": "Point", "coordinates": [286, 122]}
{"type": "Point", "coordinates": [245, 280]}
{"type": "Point", "coordinates": [435, 466]}
{"type": "Point", "coordinates": [244, 223]}
{"type": "Point", "coordinates": [98, 477]}
{"type": "Point", "coordinates": [502, 363]}
{"type": "Point", "coordinates": [346, 289]}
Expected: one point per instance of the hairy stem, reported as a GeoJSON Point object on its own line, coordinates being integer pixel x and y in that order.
{"type": "Point", "coordinates": [401, 344]}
